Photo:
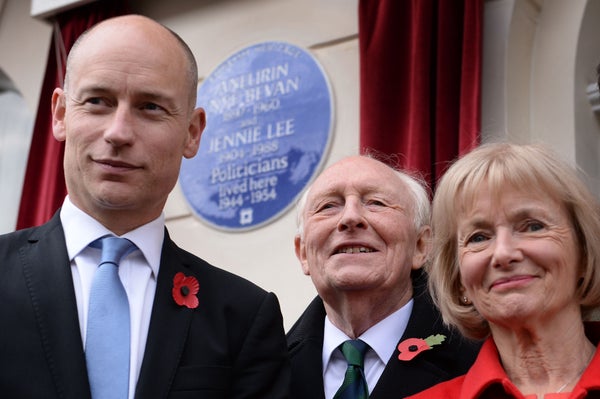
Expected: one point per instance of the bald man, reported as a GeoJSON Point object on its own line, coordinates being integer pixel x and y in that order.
{"type": "Point", "coordinates": [127, 116]}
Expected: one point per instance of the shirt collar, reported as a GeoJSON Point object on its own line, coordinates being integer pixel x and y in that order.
{"type": "Point", "coordinates": [382, 337]}
{"type": "Point", "coordinates": [81, 229]}
{"type": "Point", "coordinates": [488, 371]}
{"type": "Point", "coordinates": [485, 372]}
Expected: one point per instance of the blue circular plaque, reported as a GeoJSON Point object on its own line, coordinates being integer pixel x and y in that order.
{"type": "Point", "coordinates": [269, 121]}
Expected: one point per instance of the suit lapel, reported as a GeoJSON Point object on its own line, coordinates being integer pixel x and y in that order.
{"type": "Point", "coordinates": [414, 373]}
{"type": "Point", "coordinates": [305, 344]}
{"type": "Point", "coordinates": [168, 330]}
{"type": "Point", "coordinates": [422, 371]}
{"type": "Point", "coordinates": [400, 378]}
{"type": "Point", "coordinates": [45, 259]}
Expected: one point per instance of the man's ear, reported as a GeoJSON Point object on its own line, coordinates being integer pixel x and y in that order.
{"type": "Point", "coordinates": [301, 254]}
{"type": "Point", "coordinates": [195, 129]}
{"type": "Point", "coordinates": [422, 247]}
{"type": "Point", "coordinates": [58, 108]}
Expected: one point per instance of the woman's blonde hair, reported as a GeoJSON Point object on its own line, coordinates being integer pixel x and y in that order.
{"type": "Point", "coordinates": [534, 168]}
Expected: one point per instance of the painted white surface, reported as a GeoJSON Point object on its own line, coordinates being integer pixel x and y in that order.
{"type": "Point", "coordinates": [539, 59]}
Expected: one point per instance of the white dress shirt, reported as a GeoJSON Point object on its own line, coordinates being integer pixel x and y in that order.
{"type": "Point", "coordinates": [382, 339]}
{"type": "Point", "coordinates": [137, 272]}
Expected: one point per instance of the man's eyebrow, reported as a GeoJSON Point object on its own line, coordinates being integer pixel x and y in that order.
{"type": "Point", "coordinates": [152, 96]}
{"type": "Point", "coordinates": [93, 87]}
{"type": "Point", "coordinates": [158, 97]}
{"type": "Point", "coordinates": [87, 90]}
{"type": "Point", "coordinates": [319, 197]}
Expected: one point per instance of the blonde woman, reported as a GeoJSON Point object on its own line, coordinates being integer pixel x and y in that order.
{"type": "Point", "coordinates": [517, 246]}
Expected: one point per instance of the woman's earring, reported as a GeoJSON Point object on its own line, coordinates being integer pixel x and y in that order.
{"type": "Point", "coordinates": [466, 301]}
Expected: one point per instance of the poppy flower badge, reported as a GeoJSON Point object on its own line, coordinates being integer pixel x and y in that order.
{"type": "Point", "coordinates": [411, 347]}
{"type": "Point", "coordinates": [185, 289]}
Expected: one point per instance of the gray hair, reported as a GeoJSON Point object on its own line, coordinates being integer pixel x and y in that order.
{"type": "Point", "coordinates": [417, 187]}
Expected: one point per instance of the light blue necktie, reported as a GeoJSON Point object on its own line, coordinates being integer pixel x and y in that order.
{"type": "Point", "coordinates": [108, 337]}
{"type": "Point", "coordinates": [355, 383]}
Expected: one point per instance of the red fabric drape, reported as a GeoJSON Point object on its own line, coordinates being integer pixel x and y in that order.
{"type": "Point", "coordinates": [420, 74]}
{"type": "Point", "coordinates": [44, 186]}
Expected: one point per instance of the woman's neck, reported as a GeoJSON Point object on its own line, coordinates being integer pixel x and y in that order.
{"type": "Point", "coordinates": [544, 358]}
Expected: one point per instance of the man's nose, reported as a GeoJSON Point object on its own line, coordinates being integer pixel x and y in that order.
{"type": "Point", "coordinates": [120, 126]}
{"type": "Point", "coordinates": [353, 215]}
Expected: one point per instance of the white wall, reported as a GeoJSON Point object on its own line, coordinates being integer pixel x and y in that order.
{"type": "Point", "coordinates": [215, 30]}
{"type": "Point", "coordinates": [24, 44]}
{"type": "Point", "coordinates": [16, 123]}
{"type": "Point", "coordinates": [539, 56]}
{"type": "Point", "coordinates": [587, 132]}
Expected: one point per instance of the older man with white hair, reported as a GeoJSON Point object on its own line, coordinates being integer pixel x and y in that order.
{"type": "Point", "coordinates": [372, 331]}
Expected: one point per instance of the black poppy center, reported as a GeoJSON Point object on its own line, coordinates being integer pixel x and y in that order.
{"type": "Point", "coordinates": [413, 348]}
{"type": "Point", "coordinates": [185, 290]}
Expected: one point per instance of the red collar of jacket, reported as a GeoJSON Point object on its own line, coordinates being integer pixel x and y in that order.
{"type": "Point", "coordinates": [487, 373]}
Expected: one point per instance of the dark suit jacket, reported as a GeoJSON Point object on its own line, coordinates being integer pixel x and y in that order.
{"type": "Point", "coordinates": [400, 378]}
{"type": "Point", "coordinates": [231, 346]}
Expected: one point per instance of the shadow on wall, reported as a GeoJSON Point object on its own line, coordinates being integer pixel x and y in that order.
{"type": "Point", "coordinates": [16, 125]}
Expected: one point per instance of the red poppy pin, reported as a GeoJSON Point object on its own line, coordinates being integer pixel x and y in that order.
{"type": "Point", "coordinates": [185, 289]}
{"type": "Point", "coordinates": [411, 347]}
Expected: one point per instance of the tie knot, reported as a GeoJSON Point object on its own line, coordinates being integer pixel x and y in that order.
{"type": "Point", "coordinates": [113, 248]}
{"type": "Point", "coordinates": [354, 351]}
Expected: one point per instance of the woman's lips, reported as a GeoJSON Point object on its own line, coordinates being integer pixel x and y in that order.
{"type": "Point", "coordinates": [512, 282]}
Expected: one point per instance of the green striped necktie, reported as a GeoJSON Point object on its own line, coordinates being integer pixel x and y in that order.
{"type": "Point", "coordinates": [355, 384]}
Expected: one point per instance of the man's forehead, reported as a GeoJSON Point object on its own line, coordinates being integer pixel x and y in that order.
{"type": "Point", "coordinates": [357, 168]}
{"type": "Point", "coordinates": [353, 183]}
{"type": "Point", "coordinates": [124, 34]}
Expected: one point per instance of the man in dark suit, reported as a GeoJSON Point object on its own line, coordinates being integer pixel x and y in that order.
{"type": "Point", "coordinates": [127, 116]}
{"type": "Point", "coordinates": [363, 236]}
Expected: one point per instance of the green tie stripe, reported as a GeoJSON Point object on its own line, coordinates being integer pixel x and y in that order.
{"type": "Point", "coordinates": [354, 352]}
{"type": "Point", "coordinates": [355, 384]}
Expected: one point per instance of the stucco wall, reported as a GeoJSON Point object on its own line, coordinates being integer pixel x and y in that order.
{"type": "Point", "coordinates": [214, 31]}
{"type": "Point", "coordinates": [539, 56]}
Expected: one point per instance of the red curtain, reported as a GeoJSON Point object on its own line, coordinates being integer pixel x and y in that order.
{"type": "Point", "coordinates": [44, 186]}
{"type": "Point", "coordinates": [420, 74]}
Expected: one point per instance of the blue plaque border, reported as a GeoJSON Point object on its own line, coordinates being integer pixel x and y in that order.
{"type": "Point", "coordinates": [231, 59]}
